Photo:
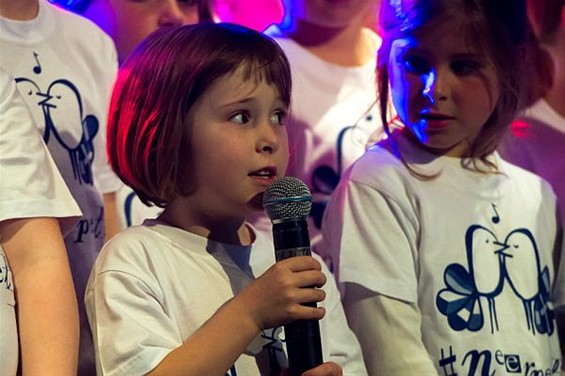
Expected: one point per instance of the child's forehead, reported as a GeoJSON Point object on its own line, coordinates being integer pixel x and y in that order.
{"type": "Point", "coordinates": [245, 76]}
{"type": "Point", "coordinates": [239, 84]}
{"type": "Point", "coordinates": [441, 33]}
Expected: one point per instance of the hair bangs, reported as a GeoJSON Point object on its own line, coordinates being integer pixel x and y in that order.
{"type": "Point", "coordinates": [274, 72]}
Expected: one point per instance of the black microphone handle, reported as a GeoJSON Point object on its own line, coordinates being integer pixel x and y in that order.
{"type": "Point", "coordinates": [303, 341]}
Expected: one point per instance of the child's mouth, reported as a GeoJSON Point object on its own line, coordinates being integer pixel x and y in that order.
{"type": "Point", "coordinates": [265, 173]}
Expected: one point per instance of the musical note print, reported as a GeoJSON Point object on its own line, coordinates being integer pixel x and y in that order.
{"type": "Point", "coordinates": [495, 218]}
{"type": "Point", "coordinates": [37, 67]}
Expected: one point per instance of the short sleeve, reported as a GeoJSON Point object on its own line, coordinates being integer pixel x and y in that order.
{"type": "Point", "coordinates": [339, 343]}
{"type": "Point", "coordinates": [371, 238]}
{"type": "Point", "coordinates": [30, 183]}
{"type": "Point", "coordinates": [131, 329]}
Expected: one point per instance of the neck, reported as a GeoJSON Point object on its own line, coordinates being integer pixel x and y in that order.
{"type": "Point", "coordinates": [19, 10]}
{"type": "Point", "coordinates": [349, 46]}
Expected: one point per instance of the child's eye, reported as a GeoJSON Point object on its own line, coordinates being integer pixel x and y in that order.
{"type": "Point", "coordinates": [465, 67]}
{"type": "Point", "coordinates": [415, 64]}
{"type": "Point", "coordinates": [240, 117]}
{"type": "Point", "coordinates": [278, 117]}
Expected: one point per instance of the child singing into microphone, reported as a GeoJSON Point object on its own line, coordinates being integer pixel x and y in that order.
{"type": "Point", "coordinates": [197, 127]}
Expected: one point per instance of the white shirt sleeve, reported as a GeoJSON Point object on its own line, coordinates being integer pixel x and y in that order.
{"type": "Point", "coordinates": [30, 183]}
{"type": "Point", "coordinates": [372, 240]}
{"type": "Point", "coordinates": [338, 341]}
{"type": "Point", "coordinates": [132, 333]}
{"type": "Point", "coordinates": [389, 331]}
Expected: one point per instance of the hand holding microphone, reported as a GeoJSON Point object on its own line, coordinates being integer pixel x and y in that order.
{"type": "Point", "coordinates": [288, 203]}
{"type": "Point", "coordinates": [279, 295]}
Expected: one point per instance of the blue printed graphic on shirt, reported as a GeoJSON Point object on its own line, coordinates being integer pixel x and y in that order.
{"type": "Point", "coordinates": [468, 300]}
{"type": "Point", "coordinates": [324, 178]}
{"type": "Point", "coordinates": [273, 346]}
{"type": "Point", "coordinates": [482, 362]}
{"type": "Point", "coordinates": [5, 274]}
{"type": "Point", "coordinates": [61, 101]}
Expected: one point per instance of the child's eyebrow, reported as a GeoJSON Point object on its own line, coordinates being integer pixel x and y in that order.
{"type": "Point", "coordinates": [468, 55]}
{"type": "Point", "coordinates": [248, 100]}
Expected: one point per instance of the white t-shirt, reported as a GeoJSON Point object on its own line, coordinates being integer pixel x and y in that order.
{"type": "Point", "coordinates": [30, 186]}
{"type": "Point", "coordinates": [154, 285]}
{"type": "Point", "coordinates": [474, 252]}
{"type": "Point", "coordinates": [64, 66]}
{"type": "Point", "coordinates": [332, 117]}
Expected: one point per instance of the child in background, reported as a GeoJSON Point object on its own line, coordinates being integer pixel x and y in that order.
{"type": "Point", "coordinates": [64, 67]}
{"type": "Point", "coordinates": [128, 22]}
{"type": "Point", "coordinates": [538, 135]}
{"type": "Point", "coordinates": [333, 54]}
{"type": "Point", "coordinates": [38, 307]}
{"type": "Point", "coordinates": [444, 251]}
{"type": "Point", "coordinates": [197, 127]}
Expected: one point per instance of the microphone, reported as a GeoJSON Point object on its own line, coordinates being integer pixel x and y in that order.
{"type": "Point", "coordinates": [288, 202]}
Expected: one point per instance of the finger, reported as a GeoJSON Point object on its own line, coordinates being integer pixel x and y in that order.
{"type": "Point", "coordinates": [305, 312]}
{"type": "Point", "coordinates": [309, 295]}
{"type": "Point", "coordinates": [302, 263]}
{"type": "Point", "coordinates": [310, 278]}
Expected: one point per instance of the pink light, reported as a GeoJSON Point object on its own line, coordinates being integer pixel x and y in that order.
{"type": "Point", "coordinates": [255, 14]}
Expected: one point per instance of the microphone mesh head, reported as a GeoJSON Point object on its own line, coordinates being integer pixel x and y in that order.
{"type": "Point", "coordinates": [287, 197]}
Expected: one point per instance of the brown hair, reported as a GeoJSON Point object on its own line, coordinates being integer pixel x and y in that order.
{"type": "Point", "coordinates": [160, 82]}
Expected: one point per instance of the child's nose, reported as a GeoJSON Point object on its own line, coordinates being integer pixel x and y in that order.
{"type": "Point", "coordinates": [434, 87]}
{"type": "Point", "coordinates": [268, 141]}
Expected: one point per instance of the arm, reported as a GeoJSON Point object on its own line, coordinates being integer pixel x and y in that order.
{"type": "Point", "coordinates": [46, 303]}
{"type": "Point", "coordinates": [209, 352]}
{"type": "Point", "coordinates": [136, 333]}
{"type": "Point", "coordinates": [111, 220]}
{"type": "Point", "coordinates": [388, 329]}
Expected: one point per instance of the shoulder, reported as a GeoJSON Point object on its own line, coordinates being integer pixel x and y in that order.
{"type": "Point", "coordinates": [529, 187]}
{"type": "Point", "coordinates": [69, 19]}
{"type": "Point", "coordinates": [524, 179]}
{"type": "Point", "coordinates": [380, 169]}
{"type": "Point", "coordinates": [293, 51]}
{"type": "Point", "coordinates": [130, 249]}
{"type": "Point", "coordinates": [81, 29]}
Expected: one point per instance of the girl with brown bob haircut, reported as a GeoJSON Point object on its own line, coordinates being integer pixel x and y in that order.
{"type": "Point", "coordinates": [197, 127]}
{"type": "Point", "coordinates": [147, 119]}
